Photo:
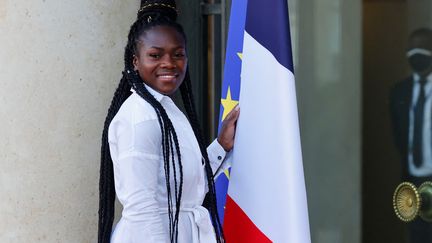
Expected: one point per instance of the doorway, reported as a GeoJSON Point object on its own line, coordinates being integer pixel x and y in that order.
{"type": "Point", "coordinates": [386, 28]}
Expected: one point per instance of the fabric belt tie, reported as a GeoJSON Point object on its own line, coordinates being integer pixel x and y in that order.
{"type": "Point", "coordinates": [202, 219]}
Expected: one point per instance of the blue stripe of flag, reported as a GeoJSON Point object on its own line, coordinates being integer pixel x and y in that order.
{"type": "Point", "coordinates": [231, 79]}
{"type": "Point", "coordinates": [275, 36]}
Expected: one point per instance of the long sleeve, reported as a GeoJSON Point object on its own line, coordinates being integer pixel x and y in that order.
{"type": "Point", "coordinates": [217, 155]}
{"type": "Point", "coordinates": [135, 149]}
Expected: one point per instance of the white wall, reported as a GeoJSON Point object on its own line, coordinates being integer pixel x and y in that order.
{"type": "Point", "coordinates": [59, 64]}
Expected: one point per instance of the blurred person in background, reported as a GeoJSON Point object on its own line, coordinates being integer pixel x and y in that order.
{"type": "Point", "coordinates": [411, 115]}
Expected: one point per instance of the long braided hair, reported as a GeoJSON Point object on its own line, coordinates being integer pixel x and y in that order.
{"type": "Point", "coordinates": [153, 13]}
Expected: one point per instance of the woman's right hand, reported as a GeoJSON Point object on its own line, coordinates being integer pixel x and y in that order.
{"type": "Point", "coordinates": [226, 136]}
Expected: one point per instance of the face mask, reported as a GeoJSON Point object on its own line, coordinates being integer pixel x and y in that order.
{"type": "Point", "coordinates": [420, 59]}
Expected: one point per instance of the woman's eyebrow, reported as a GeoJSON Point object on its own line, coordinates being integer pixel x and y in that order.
{"type": "Point", "coordinates": [156, 47]}
{"type": "Point", "coordinates": [160, 48]}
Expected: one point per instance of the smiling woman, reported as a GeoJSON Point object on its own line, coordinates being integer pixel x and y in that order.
{"type": "Point", "coordinates": [161, 59]}
{"type": "Point", "coordinates": [153, 156]}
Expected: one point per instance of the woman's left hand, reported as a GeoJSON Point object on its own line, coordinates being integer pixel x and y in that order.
{"type": "Point", "coordinates": [226, 136]}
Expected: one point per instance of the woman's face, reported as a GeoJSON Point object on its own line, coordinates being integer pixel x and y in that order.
{"type": "Point", "coordinates": [161, 60]}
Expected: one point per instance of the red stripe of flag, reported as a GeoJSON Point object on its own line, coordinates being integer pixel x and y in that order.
{"type": "Point", "coordinates": [238, 228]}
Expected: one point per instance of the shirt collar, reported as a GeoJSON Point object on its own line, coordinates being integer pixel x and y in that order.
{"type": "Point", "coordinates": [158, 96]}
{"type": "Point", "coordinates": [417, 77]}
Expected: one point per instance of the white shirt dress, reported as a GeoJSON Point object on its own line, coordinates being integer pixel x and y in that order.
{"type": "Point", "coordinates": [134, 137]}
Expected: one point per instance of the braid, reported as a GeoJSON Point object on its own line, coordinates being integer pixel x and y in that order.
{"type": "Point", "coordinates": [188, 101]}
{"type": "Point", "coordinates": [170, 144]}
{"type": "Point", "coordinates": [106, 181]}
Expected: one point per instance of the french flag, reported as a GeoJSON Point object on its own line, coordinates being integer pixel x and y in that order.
{"type": "Point", "coordinates": [266, 199]}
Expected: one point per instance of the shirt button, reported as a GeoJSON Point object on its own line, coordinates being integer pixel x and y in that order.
{"type": "Point", "coordinates": [219, 157]}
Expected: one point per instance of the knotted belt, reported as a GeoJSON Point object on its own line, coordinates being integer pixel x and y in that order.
{"type": "Point", "coordinates": [201, 218]}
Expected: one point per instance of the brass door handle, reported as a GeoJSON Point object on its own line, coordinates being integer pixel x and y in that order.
{"type": "Point", "coordinates": [408, 201]}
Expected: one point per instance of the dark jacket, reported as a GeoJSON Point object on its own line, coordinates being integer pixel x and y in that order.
{"type": "Point", "coordinates": [400, 101]}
